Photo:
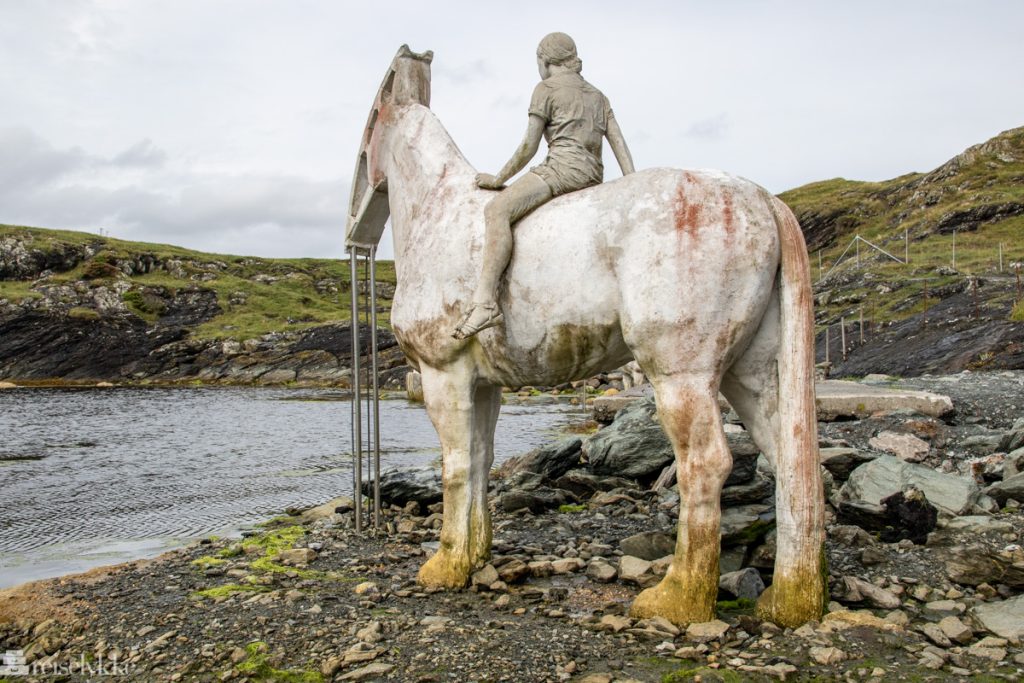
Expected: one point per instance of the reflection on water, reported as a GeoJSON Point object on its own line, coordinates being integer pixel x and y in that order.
{"type": "Point", "coordinates": [95, 476]}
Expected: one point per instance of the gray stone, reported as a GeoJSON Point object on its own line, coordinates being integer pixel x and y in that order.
{"type": "Point", "coordinates": [935, 634]}
{"type": "Point", "coordinates": [1013, 463]}
{"type": "Point", "coordinates": [858, 590]}
{"type": "Point", "coordinates": [745, 583]}
{"type": "Point", "coordinates": [841, 461]}
{"type": "Point", "coordinates": [707, 631]}
{"type": "Point", "coordinates": [837, 398]}
{"type": "Point", "coordinates": [746, 525]}
{"type": "Point", "coordinates": [977, 563]}
{"type": "Point", "coordinates": [602, 572]}
{"type": "Point", "coordinates": [552, 460]}
{"type": "Point", "coordinates": [887, 475]}
{"type": "Point", "coordinates": [979, 524]}
{"type": "Point", "coordinates": [370, 671]}
{"type": "Point", "coordinates": [1013, 439]}
{"type": "Point", "coordinates": [536, 501]}
{"type": "Point", "coordinates": [1011, 487]}
{"type": "Point", "coordinates": [400, 485]}
{"type": "Point", "coordinates": [339, 505]}
{"type": "Point", "coordinates": [904, 446]}
{"type": "Point", "coordinates": [634, 445]}
{"type": "Point", "coordinates": [648, 545]}
{"type": "Point", "coordinates": [485, 576]}
{"type": "Point", "coordinates": [1004, 618]}
{"type": "Point", "coordinates": [956, 630]}
{"type": "Point", "coordinates": [635, 570]}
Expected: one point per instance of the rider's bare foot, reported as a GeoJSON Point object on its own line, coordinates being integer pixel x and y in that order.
{"type": "Point", "coordinates": [480, 317]}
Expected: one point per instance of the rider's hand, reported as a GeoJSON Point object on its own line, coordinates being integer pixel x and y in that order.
{"type": "Point", "coordinates": [488, 181]}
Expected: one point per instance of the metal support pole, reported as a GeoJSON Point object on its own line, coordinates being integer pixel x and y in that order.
{"type": "Point", "coordinates": [827, 358]}
{"type": "Point", "coordinates": [376, 388]}
{"type": "Point", "coordinates": [857, 240]}
{"type": "Point", "coordinates": [1000, 257]}
{"type": "Point", "coordinates": [862, 326]}
{"type": "Point", "coordinates": [842, 336]}
{"type": "Point", "coordinates": [357, 419]}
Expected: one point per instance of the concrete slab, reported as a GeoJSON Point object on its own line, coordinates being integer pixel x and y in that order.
{"type": "Point", "coordinates": [836, 399]}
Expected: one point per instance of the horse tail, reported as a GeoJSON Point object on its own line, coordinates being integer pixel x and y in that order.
{"type": "Point", "coordinates": [800, 499]}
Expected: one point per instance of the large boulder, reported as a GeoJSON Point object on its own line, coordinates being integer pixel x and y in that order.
{"type": "Point", "coordinates": [403, 484]}
{"type": "Point", "coordinates": [1005, 618]}
{"type": "Point", "coordinates": [886, 475]}
{"type": "Point", "coordinates": [552, 460]}
{"type": "Point", "coordinates": [1011, 487]}
{"type": "Point", "coordinates": [635, 446]}
{"type": "Point", "coordinates": [1014, 438]}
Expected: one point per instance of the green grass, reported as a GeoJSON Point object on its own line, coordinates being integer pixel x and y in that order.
{"type": "Point", "coordinates": [916, 204]}
{"type": "Point", "coordinates": [256, 666]}
{"type": "Point", "coordinates": [229, 589]}
{"type": "Point", "coordinates": [290, 303]}
{"type": "Point", "coordinates": [571, 508]}
{"type": "Point", "coordinates": [1017, 315]}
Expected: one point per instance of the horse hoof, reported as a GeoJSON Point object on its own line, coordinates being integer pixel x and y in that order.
{"type": "Point", "coordinates": [791, 605]}
{"type": "Point", "coordinates": [442, 571]}
{"type": "Point", "coordinates": [671, 600]}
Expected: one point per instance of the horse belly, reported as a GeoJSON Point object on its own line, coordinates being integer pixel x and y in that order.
{"type": "Point", "coordinates": [561, 305]}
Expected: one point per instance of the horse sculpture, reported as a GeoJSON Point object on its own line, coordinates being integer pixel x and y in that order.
{"type": "Point", "coordinates": [699, 276]}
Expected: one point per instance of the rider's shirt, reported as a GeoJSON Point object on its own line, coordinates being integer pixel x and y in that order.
{"type": "Point", "coordinates": [577, 117]}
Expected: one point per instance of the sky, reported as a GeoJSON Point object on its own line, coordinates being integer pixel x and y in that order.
{"type": "Point", "coordinates": [232, 126]}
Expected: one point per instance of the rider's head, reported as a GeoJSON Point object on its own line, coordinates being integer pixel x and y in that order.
{"type": "Point", "coordinates": [558, 49]}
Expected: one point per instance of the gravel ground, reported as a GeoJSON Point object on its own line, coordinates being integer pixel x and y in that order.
{"type": "Point", "coordinates": [306, 599]}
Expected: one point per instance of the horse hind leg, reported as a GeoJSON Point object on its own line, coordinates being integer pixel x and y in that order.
{"type": "Point", "coordinates": [688, 409]}
{"type": "Point", "coordinates": [752, 387]}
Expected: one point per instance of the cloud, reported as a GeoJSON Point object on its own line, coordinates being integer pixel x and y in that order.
{"type": "Point", "coordinates": [142, 153]}
{"type": "Point", "coordinates": [27, 160]}
{"type": "Point", "coordinates": [713, 128]}
{"type": "Point", "coordinates": [136, 195]}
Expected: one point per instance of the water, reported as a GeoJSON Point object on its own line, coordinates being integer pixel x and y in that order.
{"type": "Point", "coordinates": [97, 476]}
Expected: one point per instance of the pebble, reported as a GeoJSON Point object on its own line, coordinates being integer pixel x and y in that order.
{"type": "Point", "coordinates": [707, 631]}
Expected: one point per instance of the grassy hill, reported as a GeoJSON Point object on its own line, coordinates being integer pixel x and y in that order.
{"type": "Point", "coordinates": [256, 295]}
{"type": "Point", "coordinates": [975, 200]}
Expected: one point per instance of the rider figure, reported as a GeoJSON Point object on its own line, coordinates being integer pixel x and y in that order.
{"type": "Point", "coordinates": [574, 117]}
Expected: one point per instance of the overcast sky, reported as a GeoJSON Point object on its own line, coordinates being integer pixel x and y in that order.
{"type": "Point", "coordinates": [232, 125]}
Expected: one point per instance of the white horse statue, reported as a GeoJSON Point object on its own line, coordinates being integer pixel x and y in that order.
{"type": "Point", "coordinates": [699, 276]}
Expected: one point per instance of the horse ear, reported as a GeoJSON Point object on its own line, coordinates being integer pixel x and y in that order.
{"type": "Point", "coordinates": [411, 81]}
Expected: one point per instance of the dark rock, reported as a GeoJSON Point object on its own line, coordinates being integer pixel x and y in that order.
{"type": "Point", "coordinates": [634, 445]}
{"type": "Point", "coordinates": [842, 461]}
{"type": "Point", "coordinates": [863, 515]}
{"type": "Point", "coordinates": [1012, 487]}
{"type": "Point", "coordinates": [977, 563]}
{"type": "Point", "coordinates": [745, 583]}
{"type": "Point", "coordinates": [536, 501]}
{"type": "Point", "coordinates": [648, 545]}
{"type": "Point", "coordinates": [552, 460]}
{"type": "Point", "coordinates": [583, 484]}
{"type": "Point", "coordinates": [398, 486]}
{"type": "Point", "coordinates": [910, 516]}
{"type": "Point", "coordinates": [758, 490]}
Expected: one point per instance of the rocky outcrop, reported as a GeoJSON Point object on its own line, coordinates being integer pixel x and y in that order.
{"type": "Point", "coordinates": [85, 312]}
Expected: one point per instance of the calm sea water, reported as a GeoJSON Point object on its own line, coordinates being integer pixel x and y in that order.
{"type": "Point", "coordinates": [96, 476]}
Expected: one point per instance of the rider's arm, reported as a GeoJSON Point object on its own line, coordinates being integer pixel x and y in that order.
{"type": "Point", "coordinates": [526, 150]}
{"type": "Point", "coordinates": [618, 145]}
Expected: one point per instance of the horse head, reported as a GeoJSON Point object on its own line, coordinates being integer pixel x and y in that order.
{"type": "Point", "coordinates": [407, 81]}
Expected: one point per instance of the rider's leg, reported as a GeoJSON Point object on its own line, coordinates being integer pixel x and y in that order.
{"type": "Point", "coordinates": [511, 204]}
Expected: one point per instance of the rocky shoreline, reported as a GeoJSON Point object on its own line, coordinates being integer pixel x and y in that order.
{"type": "Point", "coordinates": [926, 571]}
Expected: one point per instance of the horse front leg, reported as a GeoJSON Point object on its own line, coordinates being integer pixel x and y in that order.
{"type": "Point", "coordinates": [450, 398]}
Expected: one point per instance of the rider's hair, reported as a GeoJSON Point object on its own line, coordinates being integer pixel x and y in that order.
{"type": "Point", "coordinates": [560, 50]}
